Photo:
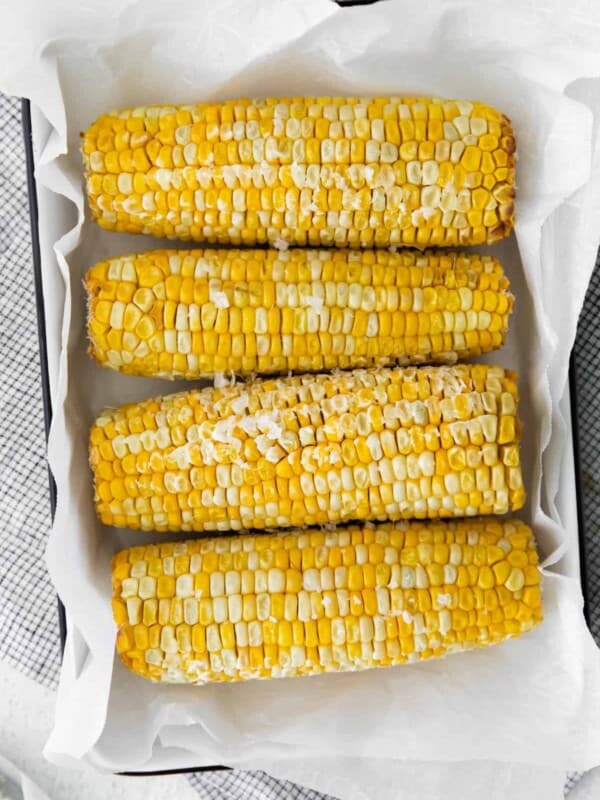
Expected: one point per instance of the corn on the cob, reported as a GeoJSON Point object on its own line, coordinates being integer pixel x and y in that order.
{"type": "Point", "coordinates": [303, 603]}
{"type": "Point", "coordinates": [351, 172]}
{"type": "Point", "coordinates": [313, 449]}
{"type": "Point", "coordinates": [189, 314]}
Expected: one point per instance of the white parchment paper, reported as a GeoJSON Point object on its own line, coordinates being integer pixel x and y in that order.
{"type": "Point", "coordinates": [533, 701]}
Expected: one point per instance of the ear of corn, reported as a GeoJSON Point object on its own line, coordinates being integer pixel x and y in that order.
{"type": "Point", "coordinates": [304, 603]}
{"type": "Point", "coordinates": [309, 450]}
{"type": "Point", "coordinates": [189, 314]}
{"type": "Point", "coordinates": [351, 172]}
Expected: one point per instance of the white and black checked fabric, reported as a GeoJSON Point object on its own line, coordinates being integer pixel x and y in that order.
{"type": "Point", "coordinates": [573, 779]}
{"type": "Point", "coordinates": [243, 785]}
{"type": "Point", "coordinates": [28, 618]}
{"type": "Point", "coordinates": [587, 361]}
{"type": "Point", "coordinates": [587, 372]}
{"type": "Point", "coordinates": [27, 600]}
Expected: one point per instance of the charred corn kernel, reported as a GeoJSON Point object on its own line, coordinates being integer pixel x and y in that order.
{"type": "Point", "coordinates": [393, 171]}
{"type": "Point", "coordinates": [389, 625]}
{"type": "Point", "coordinates": [379, 298]}
{"type": "Point", "coordinates": [311, 450]}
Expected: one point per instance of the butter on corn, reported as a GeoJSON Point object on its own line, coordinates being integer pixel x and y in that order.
{"type": "Point", "coordinates": [313, 449]}
{"type": "Point", "coordinates": [304, 603]}
{"type": "Point", "coordinates": [351, 172]}
{"type": "Point", "coordinates": [191, 314]}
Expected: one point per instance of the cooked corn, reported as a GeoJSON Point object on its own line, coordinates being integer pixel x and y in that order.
{"type": "Point", "coordinates": [313, 449]}
{"type": "Point", "coordinates": [303, 603]}
{"type": "Point", "coordinates": [189, 314]}
{"type": "Point", "coordinates": [352, 172]}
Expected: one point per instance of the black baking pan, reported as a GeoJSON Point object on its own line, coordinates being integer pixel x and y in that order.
{"type": "Point", "coordinates": [39, 298]}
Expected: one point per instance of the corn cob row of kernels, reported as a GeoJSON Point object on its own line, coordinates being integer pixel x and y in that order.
{"type": "Point", "coordinates": [350, 172]}
{"type": "Point", "coordinates": [308, 602]}
{"type": "Point", "coordinates": [310, 450]}
{"type": "Point", "coordinates": [190, 314]}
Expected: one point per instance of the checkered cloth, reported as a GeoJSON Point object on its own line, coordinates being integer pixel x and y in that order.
{"type": "Point", "coordinates": [240, 785]}
{"type": "Point", "coordinates": [28, 617]}
{"type": "Point", "coordinates": [587, 365]}
{"type": "Point", "coordinates": [587, 371]}
{"type": "Point", "coordinates": [27, 601]}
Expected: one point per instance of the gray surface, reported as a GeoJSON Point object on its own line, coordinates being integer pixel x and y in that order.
{"type": "Point", "coordinates": [27, 602]}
